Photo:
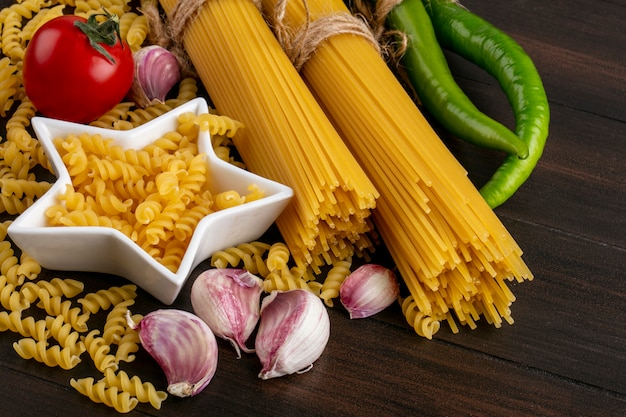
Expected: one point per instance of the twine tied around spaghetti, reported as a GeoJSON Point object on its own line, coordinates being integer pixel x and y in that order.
{"type": "Point", "coordinates": [368, 22]}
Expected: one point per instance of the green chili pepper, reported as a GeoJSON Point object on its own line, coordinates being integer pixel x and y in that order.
{"type": "Point", "coordinates": [430, 76]}
{"type": "Point", "coordinates": [478, 41]}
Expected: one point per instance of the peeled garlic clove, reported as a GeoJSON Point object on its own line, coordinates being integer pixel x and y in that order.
{"type": "Point", "coordinates": [293, 332]}
{"type": "Point", "coordinates": [368, 290]}
{"type": "Point", "coordinates": [228, 300]}
{"type": "Point", "coordinates": [184, 347]}
{"type": "Point", "coordinates": [156, 72]}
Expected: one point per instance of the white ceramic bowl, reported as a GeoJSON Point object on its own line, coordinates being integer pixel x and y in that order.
{"type": "Point", "coordinates": [103, 249]}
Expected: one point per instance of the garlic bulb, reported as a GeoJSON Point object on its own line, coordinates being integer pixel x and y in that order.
{"type": "Point", "coordinates": [293, 332]}
{"type": "Point", "coordinates": [183, 346]}
{"type": "Point", "coordinates": [368, 290]}
{"type": "Point", "coordinates": [156, 72]}
{"type": "Point", "coordinates": [228, 300]}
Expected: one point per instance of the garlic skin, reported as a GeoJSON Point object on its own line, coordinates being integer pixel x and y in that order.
{"type": "Point", "coordinates": [228, 300]}
{"type": "Point", "coordinates": [184, 347]}
{"type": "Point", "coordinates": [156, 72]}
{"type": "Point", "coordinates": [293, 332]}
{"type": "Point", "coordinates": [368, 290]}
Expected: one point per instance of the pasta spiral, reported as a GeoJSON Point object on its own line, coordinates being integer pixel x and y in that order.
{"type": "Point", "coordinates": [99, 351]}
{"type": "Point", "coordinates": [56, 287]}
{"type": "Point", "coordinates": [64, 334]}
{"type": "Point", "coordinates": [127, 345]}
{"type": "Point", "coordinates": [145, 392]}
{"type": "Point", "coordinates": [29, 348]}
{"type": "Point", "coordinates": [9, 83]}
{"type": "Point", "coordinates": [278, 256]}
{"type": "Point", "coordinates": [56, 306]}
{"type": "Point", "coordinates": [103, 299]}
{"type": "Point", "coordinates": [29, 268]}
{"type": "Point", "coordinates": [334, 278]}
{"type": "Point", "coordinates": [25, 326]}
{"type": "Point", "coordinates": [116, 324]}
{"type": "Point", "coordinates": [98, 392]}
{"type": "Point", "coordinates": [11, 299]}
{"type": "Point", "coordinates": [9, 264]}
{"type": "Point", "coordinates": [248, 254]}
{"type": "Point", "coordinates": [287, 279]}
{"type": "Point", "coordinates": [423, 324]}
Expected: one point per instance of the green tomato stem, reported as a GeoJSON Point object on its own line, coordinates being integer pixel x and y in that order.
{"type": "Point", "coordinates": [107, 32]}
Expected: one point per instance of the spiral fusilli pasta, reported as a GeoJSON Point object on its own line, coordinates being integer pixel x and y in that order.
{"type": "Point", "coordinates": [9, 264]}
{"type": "Point", "coordinates": [29, 348]}
{"type": "Point", "coordinates": [127, 345]}
{"type": "Point", "coordinates": [103, 299]}
{"type": "Point", "coordinates": [145, 392]}
{"type": "Point", "coordinates": [247, 255]}
{"type": "Point", "coordinates": [99, 351]}
{"type": "Point", "coordinates": [9, 83]}
{"type": "Point", "coordinates": [289, 279]}
{"type": "Point", "coordinates": [423, 324]}
{"type": "Point", "coordinates": [10, 298]}
{"type": "Point", "coordinates": [25, 326]}
{"type": "Point", "coordinates": [56, 287]}
{"type": "Point", "coordinates": [56, 306]}
{"type": "Point", "coordinates": [137, 32]}
{"type": "Point", "coordinates": [334, 278]}
{"type": "Point", "coordinates": [98, 392]}
{"type": "Point", "coordinates": [63, 333]}
{"type": "Point", "coordinates": [116, 324]}
{"type": "Point", "coordinates": [29, 268]}
{"type": "Point", "coordinates": [11, 45]}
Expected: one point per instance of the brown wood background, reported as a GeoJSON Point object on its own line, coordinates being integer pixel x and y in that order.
{"type": "Point", "coordinates": [566, 353]}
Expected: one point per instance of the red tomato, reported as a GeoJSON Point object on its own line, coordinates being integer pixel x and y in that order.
{"type": "Point", "coordinates": [66, 78]}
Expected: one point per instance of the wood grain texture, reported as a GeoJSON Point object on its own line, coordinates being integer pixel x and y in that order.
{"type": "Point", "coordinates": [566, 353]}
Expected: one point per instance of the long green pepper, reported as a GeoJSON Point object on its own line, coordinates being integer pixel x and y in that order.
{"type": "Point", "coordinates": [429, 73]}
{"type": "Point", "coordinates": [472, 37]}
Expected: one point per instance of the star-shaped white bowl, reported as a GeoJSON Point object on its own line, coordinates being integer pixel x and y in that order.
{"type": "Point", "coordinates": [106, 250]}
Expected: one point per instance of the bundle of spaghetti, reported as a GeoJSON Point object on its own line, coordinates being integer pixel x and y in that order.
{"type": "Point", "coordinates": [450, 248]}
{"type": "Point", "coordinates": [287, 136]}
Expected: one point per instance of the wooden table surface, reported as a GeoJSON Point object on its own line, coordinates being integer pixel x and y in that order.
{"type": "Point", "coordinates": [565, 355]}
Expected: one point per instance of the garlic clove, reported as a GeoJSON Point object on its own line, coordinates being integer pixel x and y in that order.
{"type": "Point", "coordinates": [293, 332]}
{"type": "Point", "coordinates": [228, 300]}
{"type": "Point", "coordinates": [156, 72]}
{"type": "Point", "coordinates": [368, 290]}
{"type": "Point", "coordinates": [183, 345]}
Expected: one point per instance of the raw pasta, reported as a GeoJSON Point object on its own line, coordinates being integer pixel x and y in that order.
{"type": "Point", "coordinates": [278, 257]}
{"type": "Point", "coordinates": [26, 326]}
{"type": "Point", "coordinates": [333, 280]}
{"type": "Point", "coordinates": [423, 324]}
{"type": "Point", "coordinates": [450, 248]}
{"type": "Point", "coordinates": [105, 298]}
{"type": "Point", "coordinates": [99, 351]}
{"type": "Point", "coordinates": [127, 345]}
{"type": "Point", "coordinates": [29, 348]}
{"type": "Point", "coordinates": [145, 392]}
{"type": "Point", "coordinates": [98, 392]}
{"type": "Point", "coordinates": [24, 296]}
{"type": "Point", "coordinates": [116, 323]}
{"type": "Point", "coordinates": [63, 333]}
{"type": "Point", "coordinates": [247, 255]}
{"type": "Point", "coordinates": [137, 33]}
{"type": "Point", "coordinates": [10, 299]}
{"type": "Point", "coordinates": [9, 83]}
{"type": "Point", "coordinates": [156, 196]}
{"type": "Point", "coordinates": [328, 217]}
